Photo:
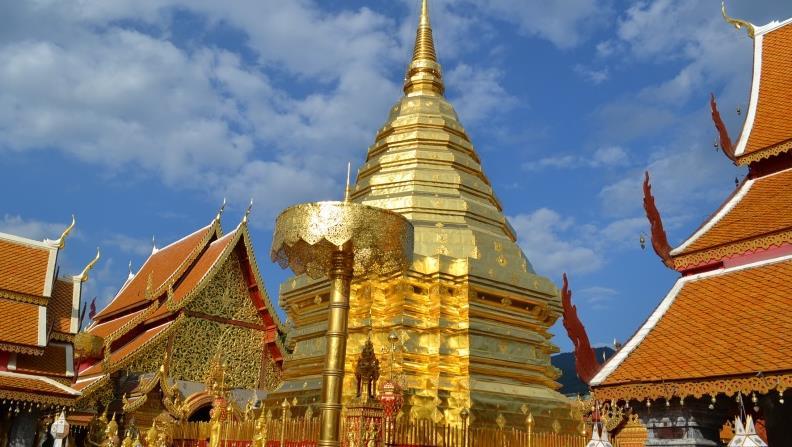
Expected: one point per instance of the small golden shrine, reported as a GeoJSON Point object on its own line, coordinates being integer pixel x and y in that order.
{"type": "Point", "coordinates": [471, 315]}
{"type": "Point", "coordinates": [365, 415]}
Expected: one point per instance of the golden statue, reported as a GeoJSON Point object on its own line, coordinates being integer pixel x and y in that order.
{"type": "Point", "coordinates": [162, 440]}
{"type": "Point", "coordinates": [248, 416]}
{"type": "Point", "coordinates": [96, 430]}
{"type": "Point", "coordinates": [215, 428]}
{"type": "Point", "coordinates": [260, 436]}
{"type": "Point", "coordinates": [152, 434]}
{"type": "Point", "coordinates": [111, 434]}
{"type": "Point", "coordinates": [128, 441]}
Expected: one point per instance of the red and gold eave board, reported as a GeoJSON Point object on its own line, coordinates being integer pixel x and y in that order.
{"type": "Point", "coordinates": [752, 221]}
{"type": "Point", "coordinates": [145, 310]}
{"type": "Point", "coordinates": [711, 334]}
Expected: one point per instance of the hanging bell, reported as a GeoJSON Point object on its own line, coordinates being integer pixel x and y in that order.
{"type": "Point", "coordinates": [739, 111]}
{"type": "Point", "coordinates": [642, 240]}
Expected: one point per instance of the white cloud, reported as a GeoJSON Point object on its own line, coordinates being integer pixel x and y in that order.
{"type": "Point", "coordinates": [130, 245]}
{"type": "Point", "coordinates": [549, 241]}
{"type": "Point", "coordinates": [479, 93]}
{"type": "Point", "coordinates": [596, 297]}
{"type": "Point", "coordinates": [78, 80]}
{"type": "Point", "coordinates": [565, 23]}
{"type": "Point", "coordinates": [31, 229]}
{"type": "Point", "coordinates": [592, 75]}
{"type": "Point", "coordinates": [603, 157]}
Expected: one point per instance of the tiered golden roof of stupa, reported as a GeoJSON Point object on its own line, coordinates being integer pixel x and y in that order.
{"type": "Point", "coordinates": [470, 312]}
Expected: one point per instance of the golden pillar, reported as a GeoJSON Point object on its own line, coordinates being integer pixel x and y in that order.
{"type": "Point", "coordinates": [339, 240]}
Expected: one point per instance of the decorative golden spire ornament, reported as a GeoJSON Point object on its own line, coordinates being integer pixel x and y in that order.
{"type": "Point", "coordinates": [83, 276]}
{"type": "Point", "coordinates": [424, 75]}
{"type": "Point", "coordinates": [738, 23]}
{"type": "Point", "coordinates": [61, 241]}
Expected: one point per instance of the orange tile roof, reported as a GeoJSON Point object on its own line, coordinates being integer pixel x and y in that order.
{"type": "Point", "coordinates": [23, 269]}
{"type": "Point", "coordinates": [728, 323]}
{"type": "Point", "coordinates": [192, 279]}
{"type": "Point", "coordinates": [107, 328]}
{"type": "Point", "coordinates": [59, 309]}
{"type": "Point", "coordinates": [129, 348]}
{"type": "Point", "coordinates": [25, 387]}
{"type": "Point", "coordinates": [755, 214]}
{"type": "Point", "coordinates": [20, 323]}
{"type": "Point", "coordinates": [771, 125]}
{"type": "Point", "coordinates": [161, 266]}
{"type": "Point", "coordinates": [52, 363]}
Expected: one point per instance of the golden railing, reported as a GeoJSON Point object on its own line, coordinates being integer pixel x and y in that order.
{"type": "Point", "coordinates": [289, 432]}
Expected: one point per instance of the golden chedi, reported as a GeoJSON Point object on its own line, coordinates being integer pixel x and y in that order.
{"type": "Point", "coordinates": [471, 314]}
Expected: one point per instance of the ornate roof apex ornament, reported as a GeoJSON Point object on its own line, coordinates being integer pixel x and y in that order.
{"type": "Point", "coordinates": [738, 23]}
{"type": "Point", "coordinates": [83, 276]}
{"type": "Point", "coordinates": [61, 241]}
{"type": "Point", "coordinates": [248, 210]}
{"type": "Point", "coordinates": [221, 210]}
{"type": "Point", "coordinates": [154, 248]}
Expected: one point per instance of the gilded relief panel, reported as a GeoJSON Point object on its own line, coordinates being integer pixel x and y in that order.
{"type": "Point", "coordinates": [197, 341]}
{"type": "Point", "coordinates": [226, 295]}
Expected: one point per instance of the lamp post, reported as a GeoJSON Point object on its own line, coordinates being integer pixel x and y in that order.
{"type": "Point", "coordinates": [339, 240]}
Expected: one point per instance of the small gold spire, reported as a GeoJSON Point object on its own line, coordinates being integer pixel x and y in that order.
{"type": "Point", "coordinates": [424, 75]}
{"type": "Point", "coordinates": [738, 23]}
{"type": "Point", "coordinates": [84, 275]}
{"type": "Point", "coordinates": [220, 211]}
{"type": "Point", "coordinates": [248, 210]}
{"type": "Point", "coordinates": [346, 191]}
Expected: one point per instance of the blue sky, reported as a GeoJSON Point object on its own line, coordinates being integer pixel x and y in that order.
{"type": "Point", "coordinates": [139, 116]}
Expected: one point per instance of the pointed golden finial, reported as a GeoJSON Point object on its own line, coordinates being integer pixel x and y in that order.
{"type": "Point", "coordinates": [738, 23]}
{"type": "Point", "coordinates": [61, 241]}
{"type": "Point", "coordinates": [346, 191]}
{"type": "Point", "coordinates": [248, 210]}
{"type": "Point", "coordinates": [220, 211]}
{"type": "Point", "coordinates": [424, 75]}
{"type": "Point", "coordinates": [84, 275]}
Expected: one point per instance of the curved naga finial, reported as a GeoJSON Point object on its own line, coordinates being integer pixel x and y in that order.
{"type": "Point", "coordinates": [220, 211]}
{"type": "Point", "coordinates": [738, 23]}
{"type": "Point", "coordinates": [586, 363]}
{"type": "Point", "coordinates": [84, 275]}
{"type": "Point", "coordinates": [723, 133]}
{"type": "Point", "coordinates": [61, 241]}
{"type": "Point", "coordinates": [248, 210]}
{"type": "Point", "coordinates": [659, 238]}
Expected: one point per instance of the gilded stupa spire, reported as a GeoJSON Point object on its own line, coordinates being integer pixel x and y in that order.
{"type": "Point", "coordinates": [424, 76]}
